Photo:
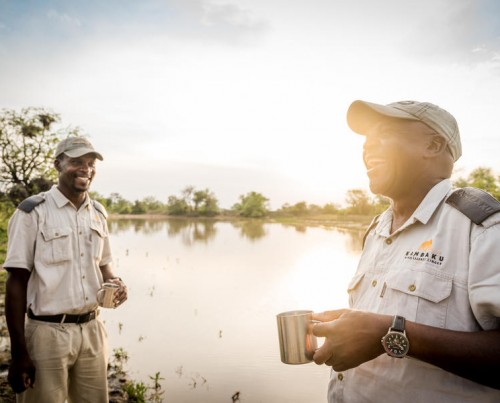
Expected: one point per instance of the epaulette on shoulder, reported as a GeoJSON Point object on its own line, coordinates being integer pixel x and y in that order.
{"type": "Point", "coordinates": [100, 208]}
{"type": "Point", "coordinates": [27, 205]}
{"type": "Point", "coordinates": [476, 204]}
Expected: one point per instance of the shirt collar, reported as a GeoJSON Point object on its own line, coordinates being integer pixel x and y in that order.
{"type": "Point", "coordinates": [62, 200]}
{"type": "Point", "coordinates": [431, 201]}
{"type": "Point", "coordinates": [424, 211]}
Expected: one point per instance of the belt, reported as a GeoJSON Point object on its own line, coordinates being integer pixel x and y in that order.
{"type": "Point", "coordinates": [65, 318]}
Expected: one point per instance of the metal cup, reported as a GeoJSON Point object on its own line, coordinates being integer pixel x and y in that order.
{"type": "Point", "coordinates": [106, 295]}
{"type": "Point", "coordinates": [297, 343]}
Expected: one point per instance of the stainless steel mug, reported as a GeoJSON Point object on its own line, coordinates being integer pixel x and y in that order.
{"type": "Point", "coordinates": [297, 343]}
{"type": "Point", "coordinates": [106, 295]}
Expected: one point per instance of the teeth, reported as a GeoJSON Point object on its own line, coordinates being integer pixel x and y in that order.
{"type": "Point", "coordinates": [371, 162]}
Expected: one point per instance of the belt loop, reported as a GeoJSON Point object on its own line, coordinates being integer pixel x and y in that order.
{"type": "Point", "coordinates": [63, 319]}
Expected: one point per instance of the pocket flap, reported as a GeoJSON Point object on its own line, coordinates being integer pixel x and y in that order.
{"type": "Point", "coordinates": [98, 227]}
{"type": "Point", "coordinates": [430, 286]}
{"type": "Point", "coordinates": [355, 282]}
{"type": "Point", "coordinates": [50, 233]}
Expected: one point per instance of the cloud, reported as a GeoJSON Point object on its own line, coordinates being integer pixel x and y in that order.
{"type": "Point", "coordinates": [226, 22]}
{"type": "Point", "coordinates": [465, 32]}
{"type": "Point", "coordinates": [63, 19]}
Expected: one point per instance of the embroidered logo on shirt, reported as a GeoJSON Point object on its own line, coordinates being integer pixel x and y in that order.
{"type": "Point", "coordinates": [425, 253]}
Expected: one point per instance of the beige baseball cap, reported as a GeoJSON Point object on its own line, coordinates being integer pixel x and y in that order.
{"type": "Point", "coordinates": [361, 115]}
{"type": "Point", "coordinates": [76, 147]}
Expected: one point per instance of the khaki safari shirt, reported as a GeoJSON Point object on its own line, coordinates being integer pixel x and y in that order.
{"type": "Point", "coordinates": [438, 269]}
{"type": "Point", "coordinates": [63, 249]}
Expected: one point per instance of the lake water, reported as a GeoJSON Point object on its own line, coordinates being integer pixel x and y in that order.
{"type": "Point", "coordinates": [203, 299]}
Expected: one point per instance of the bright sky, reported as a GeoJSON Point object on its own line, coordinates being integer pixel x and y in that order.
{"type": "Point", "coordinates": [248, 95]}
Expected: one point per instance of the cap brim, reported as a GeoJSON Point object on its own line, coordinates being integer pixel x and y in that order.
{"type": "Point", "coordinates": [78, 152]}
{"type": "Point", "coordinates": [361, 115]}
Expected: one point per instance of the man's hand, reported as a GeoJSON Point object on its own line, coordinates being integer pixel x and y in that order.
{"type": "Point", "coordinates": [21, 374]}
{"type": "Point", "coordinates": [352, 337]}
{"type": "Point", "coordinates": [121, 294]}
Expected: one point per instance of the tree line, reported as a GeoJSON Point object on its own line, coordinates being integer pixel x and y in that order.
{"type": "Point", "coordinates": [29, 136]}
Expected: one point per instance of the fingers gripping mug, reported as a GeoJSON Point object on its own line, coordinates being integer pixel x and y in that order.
{"type": "Point", "coordinates": [106, 295]}
{"type": "Point", "coordinates": [297, 343]}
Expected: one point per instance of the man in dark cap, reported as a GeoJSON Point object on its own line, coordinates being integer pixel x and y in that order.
{"type": "Point", "coordinates": [424, 317]}
{"type": "Point", "coordinates": [58, 257]}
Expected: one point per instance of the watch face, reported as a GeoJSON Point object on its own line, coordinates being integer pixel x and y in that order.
{"type": "Point", "coordinates": [396, 344]}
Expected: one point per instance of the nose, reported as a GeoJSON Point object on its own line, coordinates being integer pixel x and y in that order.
{"type": "Point", "coordinates": [370, 143]}
{"type": "Point", "coordinates": [87, 168]}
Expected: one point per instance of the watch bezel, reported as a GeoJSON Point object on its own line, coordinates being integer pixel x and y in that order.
{"type": "Point", "coordinates": [391, 349]}
{"type": "Point", "coordinates": [397, 330]}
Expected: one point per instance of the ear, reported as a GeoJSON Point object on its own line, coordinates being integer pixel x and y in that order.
{"type": "Point", "coordinates": [436, 145]}
{"type": "Point", "coordinates": [57, 165]}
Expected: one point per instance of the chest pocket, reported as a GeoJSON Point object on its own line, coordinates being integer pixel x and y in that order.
{"type": "Point", "coordinates": [420, 296]}
{"type": "Point", "coordinates": [57, 247]}
{"type": "Point", "coordinates": [354, 289]}
{"type": "Point", "coordinates": [97, 235]}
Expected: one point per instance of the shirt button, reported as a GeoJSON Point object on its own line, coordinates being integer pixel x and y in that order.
{"type": "Point", "coordinates": [340, 377]}
{"type": "Point", "coordinates": [81, 254]}
{"type": "Point", "coordinates": [388, 241]}
{"type": "Point", "coordinates": [374, 283]}
{"type": "Point", "coordinates": [56, 234]}
{"type": "Point", "coordinates": [412, 287]}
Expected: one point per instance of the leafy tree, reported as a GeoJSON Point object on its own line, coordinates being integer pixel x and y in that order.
{"type": "Point", "coordinates": [205, 203]}
{"type": "Point", "coordinates": [187, 196]}
{"type": "Point", "coordinates": [27, 142]}
{"type": "Point", "coordinates": [119, 205]}
{"type": "Point", "coordinates": [105, 201]}
{"type": "Point", "coordinates": [482, 178]}
{"type": "Point", "coordinates": [152, 205]}
{"type": "Point", "coordinates": [380, 204]}
{"type": "Point", "coordinates": [176, 206]}
{"type": "Point", "coordinates": [193, 202]}
{"type": "Point", "coordinates": [297, 209]}
{"type": "Point", "coordinates": [358, 201]}
{"type": "Point", "coordinates": [139, 207]}
{"type": "Point", "coordinates": [330, 208]}
{"type": "Point", "coordinates": [252, 204]}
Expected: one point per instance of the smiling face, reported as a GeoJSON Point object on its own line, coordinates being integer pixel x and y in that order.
{"type": "Point", "coordinates": [395, 154]}
{"type": "Point", "coordinates": [75, 175]}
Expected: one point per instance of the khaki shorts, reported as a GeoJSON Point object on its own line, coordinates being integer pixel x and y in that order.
{"type": "Point", "coordinates": [70, 360]}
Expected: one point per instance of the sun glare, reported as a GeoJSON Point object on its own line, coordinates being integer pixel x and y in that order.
{"type": "Point", "coordinates": [319, 280]}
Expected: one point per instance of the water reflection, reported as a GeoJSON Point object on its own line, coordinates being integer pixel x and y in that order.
{"type": "Point", "coordinates": [191, 231]}
{"type": "Point", "coordinates": [354, 239]}
{"type": "Point", "coordinates": [207, 291]}
{"type": "Point", "coordinates": [250, 229]}
{"type": "Point", "coordinates": [137, 225]}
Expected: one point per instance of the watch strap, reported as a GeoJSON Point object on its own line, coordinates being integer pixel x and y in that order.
{"type": "Point", "coordinates": [398, 324]}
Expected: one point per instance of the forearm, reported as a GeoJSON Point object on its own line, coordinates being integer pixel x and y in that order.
{"type": "Point", "coordinates": [107, 272]}
{"type": "Point", "coordinates": [471, 355]}
{"type": "Point", "coordinates": [15, 311]}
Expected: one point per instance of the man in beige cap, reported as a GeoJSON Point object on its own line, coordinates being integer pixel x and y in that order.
{"type": "Point", "coordinates": [58, 257]}
{"type": "Point", "coordinates": [424, 317]}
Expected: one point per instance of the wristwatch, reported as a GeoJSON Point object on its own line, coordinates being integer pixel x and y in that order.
{"type": "Point", "coordinates": [395, 342]}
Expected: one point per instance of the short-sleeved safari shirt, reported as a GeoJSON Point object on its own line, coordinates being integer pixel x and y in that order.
{"type": "Point", "coordinates": [63, 249]}
{"type": "Point", "coordinates": [438, 269]}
